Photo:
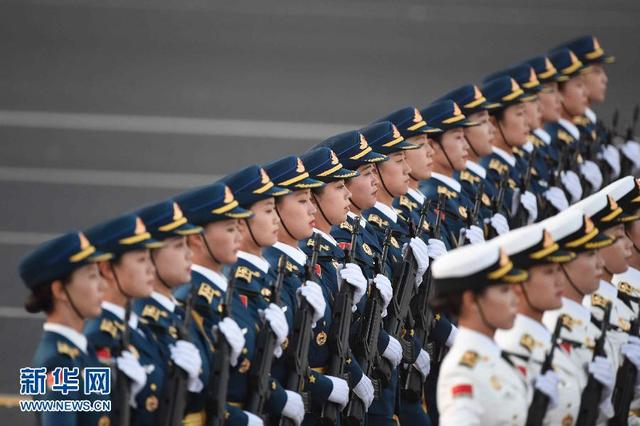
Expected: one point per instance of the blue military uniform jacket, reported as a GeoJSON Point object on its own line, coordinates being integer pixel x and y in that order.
{"type": "Point", "coordinates": [105, 333]}
{"type": "Point", "coordinates": [58, 350]}
{"type": "Point", "coordinates": [471, 179]}
{"type": "Point", "coordinates": [497, 164]}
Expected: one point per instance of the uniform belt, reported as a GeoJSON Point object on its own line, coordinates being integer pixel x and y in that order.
{"type": "Point", "coordinates": [321, 370]}
{"type": "Point", "coordinates": [236, 404]}
{"type": "Point", "coordinates": [194, 419]}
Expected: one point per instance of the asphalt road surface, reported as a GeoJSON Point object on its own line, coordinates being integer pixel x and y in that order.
{"type": "Point", "coordinates": [108, 105]}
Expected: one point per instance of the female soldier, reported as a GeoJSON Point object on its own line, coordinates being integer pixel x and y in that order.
{"type": "Point", "coordinates": [296, 213]}
{"type": "Point", "coordinates": [65, 284]}
{"type": "Point", "coordinates": [472, 283]}
{"type": "Point", "coordinates": [129, 275]}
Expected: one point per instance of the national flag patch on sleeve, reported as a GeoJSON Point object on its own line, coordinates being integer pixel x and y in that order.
{"type": "Point", "coordinates": [463, 390]}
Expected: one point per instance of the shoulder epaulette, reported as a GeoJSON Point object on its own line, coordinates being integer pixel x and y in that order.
{"type": "Point", "coordinates": [374, 218]}
{"type": "Point", "coordinates": [109, 327]}
{"type": "Point", "coordinates": [447, 192]}
{"type": "Point", "coordinates": [65, 349]}
{"type": "Point", "coordinates": [564, 136]}
{"type": "Point", "coordinates": [208, 292]}
{"type": "Point", "coordinates": [346, 225]}
{"type": "Point", "coordinates": [406, 202]}
{"type": "Point", "coordinates": [152, 312]}
{"type": "Point", "coordinates": [246, 274]}
{"type": "Point", "coordinates": [527, 342]}
{"type": "Point", "coordinates": [469, 359]}
{"type": "Point", "coordinates": [581, 120]}
{"type": "Point", "coordinates": [469, 177]}
{"type": "Point", "coordinates": [498, 166]}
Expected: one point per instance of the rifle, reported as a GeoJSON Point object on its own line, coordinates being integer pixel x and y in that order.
{"type": "Point", "coordinates": [472, 219]}
{"type": "Point", "coordinates": [623, 392]}
{"type": "Point", "coordinates": [412, 380]}
{"type": "Point", "coordinates": [521, 215]}
{"type": "Point", "coordinates": [175, 393]}
{"type": "Point", "coordinates": [497, 205]}
{"type": "Point", "coordinates": [540, 402]}
{"type": "Point", "coordinates": [219, 377]}
{"type": "Point", "coordinates": [259, 389]}
{"type": "Point", "coordinates": [589, 404]}
{"type": "Point", "coordinates": [122, 410]}
{"type": "Point", "coordinates": [340, 325]}
{"type": "Point", "coordinates": [298, 353]}
{"type": "Point", "coordinates": [367, 351]}
{"type": "Point", "coordinates": [404, 284]}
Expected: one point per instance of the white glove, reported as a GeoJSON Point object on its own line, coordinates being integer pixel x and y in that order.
{"type": "Point", "coordinates": [364, 390]}
{"type": "Point", "coordinates": [631, 150]}
{"type": "Point", "coordinates": [557, 198]}
{"type": "Point", "coordinates": [421, 254]}
{"type": "Point", "coordinates": [352, 274]}
{"type": "Point", "coordinates": [474, 234]}
{"type": "Point", "coordinates": [436, 248]}
{"type": "Point", "coordinates": [340, 392]}
{"type": "Point", "coordinates": [278, 323]}
{"type": "Point", "coordinates": [130, 366]}
{"type": "Point", "coordinates": [386, 291]}
{"type": "Point", "coordinates": [312, 293]}
{"type": "Point", "coordinates": [602, 370]}
{"type": "Point", "coordinates": [499, 223]}
{"type": "Point", "coordinates": [612, 156]}
{"type": "Point", "coordinates": [547, 383]}
{"type": "Point", "coordinates": [253, 420]}
{"type": "Point", "coordinates": [186, 356]}
{"type": "Point", "coordinates": [294, 407]}
{"type": "Point", "coordinates": [592, 173]}
{"type": "Point", "coordinates": [234, 337]}
{"type": "Point", "coordinates": [529, 202]}
{"type": "Point", "coordinates": [571, 183]}
{"type": "Point", "coordinates": [393, 352]}
{"type": "Point", "coordinates": [423, 364]}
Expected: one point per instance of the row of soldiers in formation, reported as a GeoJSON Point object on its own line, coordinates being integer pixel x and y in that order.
{"type": "Point", "coordinates": [476, 262]}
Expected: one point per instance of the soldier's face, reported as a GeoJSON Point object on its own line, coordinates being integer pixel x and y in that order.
{"type": "Point", "coordinates": [420, 160]}
{"type": "Point", "coordinates": [534, 115]}
{"type": "Point", "coordinates": [633, 232]}
{"type": "Point", "coordinates": [543, 288]}
{"type": "Point", "coordinates": [550, 103]}
{"type": "Point", "coordinates": [86, 290]}
{"type": "Point", "coordinates": [364, 188]}
{"type": "Point", "coordinates": [585, 272]}
{"type": "Point", "coordinates": [574, 96]}
{"type": "Point", "coordinates": [395, 174]}
{"type": "Point", "coordinates": [455, 146]}
{"type": "Point", "coordinates": [596, 81]}
{"type": "Point", "coordinates": [136, 273]}
{"type": "Point", "coordinates": [479, 137]}
{"type": "Point", "coordinates": [265, 224]}
{"type": "Point", "coordinates": [514, 125]}
{"type": "Point", "coordinates": [334, 200]}
{"type": "Point", "coordinates": [298, 215]}
{"type": "Point", "coordinates": [173, 261]}
{"type": "Point", "coordinates": [616, 256]}
{"type": "Point", "coordinates": [223, 238]}
{"type": "Point", "coordinates": [499, 306]}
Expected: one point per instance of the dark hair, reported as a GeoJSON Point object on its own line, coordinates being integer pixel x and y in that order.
{"type": "Point", "coordinates": [41, 298]}
{"type": "Point", "coordinates": [451, 303]}
{"type": "Point", "coordinates": [498, 114]}
{"type": "Point", "coordinates": [319, 190]}
{"type": "Point", "coordinates": [436, 137]}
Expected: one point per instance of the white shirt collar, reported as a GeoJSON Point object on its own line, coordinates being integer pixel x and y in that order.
{"type": "Point", "coordinates": [78, 339]}
{"type": "Point", "coordinates": [509, 158]}
{"type": "Point", "coordinates": [326, 237]}
{"type": "Point", "coordinates": [213, 276]}
{"type": "Point", "coordinates": [543, 135]}
{"type": "Point", "coordinates": [451, 182]}
{"type": "Point", "coordinates": [570, 127]}
{"type": "Point", "coordinates": [631, 276]}
{"type": "Point", "coordinates": [591, 115]}
{"type": "Point", "coordinates": [576, 310]}
{"type": "Point", "coordinates": [257, 261]}
{"type": "Point", "coordinates": [363, 221]}
{"type": "Point", "coordinates": [607, 290]}
{"type": "Point", "coordinates": [535, 328]}
{"type": "Point", "coordinates": [389, 212]}
{"type": "Point", "coordinates": [528, 146]}
{"type": "Point", "coordinates": [477, 169]}
{"type": "Point", "coordinates": [119, 312]}
{"type": "Point", "coordinates": [417, 195]}
{"type": "Point", "coordinates": [293, 252]}
{"type": "Point", "coordinates": [168, 303]}
{"type": "Point", "coordinates": [478, 341]}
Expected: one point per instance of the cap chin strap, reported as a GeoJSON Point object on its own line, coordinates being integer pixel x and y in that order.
{"type": "Point", "coordinates": [321, 211]}
{"type": "Point", "coordinates": [472, 148]}
{"type": "Point", "coordinates": [284, 225]}
{"type": "Point", "coordinates": [206, 243]}
{"type": "Point", "coordinates": [482, 317]}
{"type": "Point", "coordinates": [253, 237]}
{"type": "Point", "coordinates": [155, 265]}
{"type": "Point", "coordinates": [526, 298]}
{"type": "Point", "coordinates": [608, 271]}
{"type": "Point", "coordinates": [384, 185]}
{"type": "Point", "coordinates": [566, 274]}
{"type": "Point", "coordinates": [444, 151]}
{"type": "Point", "coordinates": [117, 280]}
{"type": "Point", "coordinates": [73, 305]}
{"type": "Point", "coordinates": [353, 202]}
{"type": "Point", "coordinates": [504, 138]}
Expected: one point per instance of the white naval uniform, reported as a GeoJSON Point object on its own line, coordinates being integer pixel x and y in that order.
{"type": "Point", "coordinates": [477, 386]}
{"type": "Point", "coordinates": [629, 282]}
{"type": "Point", "coordinates": [527, 345]}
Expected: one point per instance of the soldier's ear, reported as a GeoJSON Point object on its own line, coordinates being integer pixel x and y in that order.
{"type": "Point", "coordinates": [57, 292]}
{"type": "Point", "coordinates": [105, 270]}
